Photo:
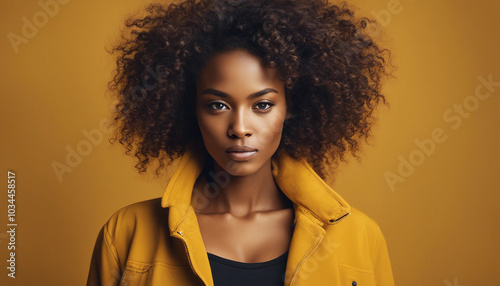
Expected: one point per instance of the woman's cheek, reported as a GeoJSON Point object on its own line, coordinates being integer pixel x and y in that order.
{"type": "Point", "coordinates": [271, 135]}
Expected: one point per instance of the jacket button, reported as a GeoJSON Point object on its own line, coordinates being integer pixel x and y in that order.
{"type": "Point", "coordinates": [354, 283]}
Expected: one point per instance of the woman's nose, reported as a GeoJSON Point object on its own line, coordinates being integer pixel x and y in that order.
{"type": "Point", "coordinates": [240, 125]}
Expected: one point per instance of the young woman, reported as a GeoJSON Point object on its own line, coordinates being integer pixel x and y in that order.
{"type": "Point", "coordinates": [256, 101]}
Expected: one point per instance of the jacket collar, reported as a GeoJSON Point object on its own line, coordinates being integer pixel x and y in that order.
{"type": "Point", "coordinates": [295, 177]}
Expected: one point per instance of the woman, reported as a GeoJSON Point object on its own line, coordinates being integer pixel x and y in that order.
{"type": "Point", "coordinates": [257, 100]}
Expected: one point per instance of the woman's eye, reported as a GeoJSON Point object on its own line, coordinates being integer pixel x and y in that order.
{"type": "Point", "coordinates": [217, 105]}
{"type": "Point", "coordinates": [264, 105]}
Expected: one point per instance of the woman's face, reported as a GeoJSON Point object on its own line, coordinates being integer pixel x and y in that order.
{"type": "Point", "coordinates": [240, 103]}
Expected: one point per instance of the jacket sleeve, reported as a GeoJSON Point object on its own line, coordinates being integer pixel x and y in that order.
{"type": "Point", "coordinates": [104, 265]}
{"type": "Point", "coordinates": [383, 269]}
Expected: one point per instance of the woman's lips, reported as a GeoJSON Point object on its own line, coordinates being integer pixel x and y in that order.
{"type": "Point", "coordinates": [241, 156]}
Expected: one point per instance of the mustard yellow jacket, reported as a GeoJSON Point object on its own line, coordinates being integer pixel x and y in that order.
{"type": "Point", "coordinates": [158, 241]}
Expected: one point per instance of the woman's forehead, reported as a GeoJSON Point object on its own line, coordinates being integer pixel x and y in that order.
{"type": "Point", "coordinates": [235, 66]}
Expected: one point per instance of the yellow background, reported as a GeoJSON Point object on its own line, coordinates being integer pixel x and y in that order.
{"type": "Point", "coordinates": [440, 222]}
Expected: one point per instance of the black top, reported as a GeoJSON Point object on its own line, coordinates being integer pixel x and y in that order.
{"type": "Point", "coordinates": [229, 272]}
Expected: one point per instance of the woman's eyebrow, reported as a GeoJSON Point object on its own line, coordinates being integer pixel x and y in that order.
{"type": "Point", "coordinates": [251, 96]}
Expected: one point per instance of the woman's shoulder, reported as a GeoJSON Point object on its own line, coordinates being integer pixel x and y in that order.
{"type": "Point", "coordinates": [361, 219]}
{"type": "Point", "coordinates": [139, 208]}
{"type": "Point", "coordinates": [357, 225]}
{"type": "Point", "coordinates": [359, 243]}
{"type": "Point", "coordinates": [147, 214]}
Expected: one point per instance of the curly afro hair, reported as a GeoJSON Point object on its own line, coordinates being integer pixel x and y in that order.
{"type": "Point", "coordinates": [331, 67]}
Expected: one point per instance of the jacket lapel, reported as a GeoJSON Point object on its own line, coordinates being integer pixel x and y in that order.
{"type": "Point", "coordinates": [315, 204]}
{"type": "Point", "coordinates": [307, 235]}
{"type": "Point", "coordinates": [182, 220]}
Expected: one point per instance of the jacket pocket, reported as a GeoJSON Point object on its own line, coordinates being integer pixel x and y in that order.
{"type": "Point", "coordinates": [157, 273]}
{"type": "Point", "coordinates": [353, 276]}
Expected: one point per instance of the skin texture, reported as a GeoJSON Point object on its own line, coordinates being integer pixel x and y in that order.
{"type": "Point", "coordinates": [236, 221]}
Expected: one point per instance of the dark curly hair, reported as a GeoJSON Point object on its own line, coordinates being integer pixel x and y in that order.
{"type": "Point", "coordinates": [331, 67]}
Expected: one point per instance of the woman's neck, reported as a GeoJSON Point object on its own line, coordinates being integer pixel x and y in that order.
{"type": "Point", "coordinates": [239, 196]}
